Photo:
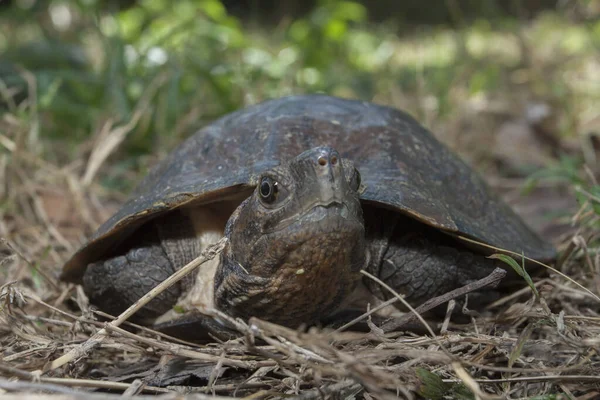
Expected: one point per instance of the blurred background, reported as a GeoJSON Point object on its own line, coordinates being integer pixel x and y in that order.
{"type": "Point", "coordinates": [513, 86]}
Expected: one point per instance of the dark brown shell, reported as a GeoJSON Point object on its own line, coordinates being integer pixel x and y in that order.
{"type": "Point", "coordinates": [402, 167]}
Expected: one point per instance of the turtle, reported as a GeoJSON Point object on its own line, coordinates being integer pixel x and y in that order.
{"type": "Point", "coordinates": [309, 190]}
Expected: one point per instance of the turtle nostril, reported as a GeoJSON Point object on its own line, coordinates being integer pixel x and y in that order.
{"type": "Point", "coordinates": [333, 160]}
{"type": "Point", "coordinates": [322, 161]}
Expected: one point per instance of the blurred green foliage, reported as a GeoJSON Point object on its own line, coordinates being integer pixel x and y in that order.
{"type": "Point", "coordinates": [183, 63]}
{"type": "Point", "coordinates": [90, 63]}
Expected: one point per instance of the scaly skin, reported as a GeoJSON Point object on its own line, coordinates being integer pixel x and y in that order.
{"type": "Point", "coordinates": [156, 252]}
{"type": "Point", "coordinates": [421, 262]}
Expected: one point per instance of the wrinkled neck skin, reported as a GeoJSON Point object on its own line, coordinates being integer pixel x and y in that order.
{"type": "Point", "coordinates": [295, 263]}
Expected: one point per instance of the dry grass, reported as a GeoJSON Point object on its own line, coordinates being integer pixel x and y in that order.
{"type": "Point", "coordinates": [522, 346]}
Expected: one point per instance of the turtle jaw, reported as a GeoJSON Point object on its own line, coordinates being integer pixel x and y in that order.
{"type": "Point", "coordinates": [297, 275]}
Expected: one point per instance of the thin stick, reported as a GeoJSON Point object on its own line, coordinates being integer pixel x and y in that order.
{"type": "Point", "coordinates": [61, 386]}
{"type": "Point", "coordinates": [543, 378]}
{"type": "Point", "coordinates": [148, 330]}
{"type": "Point", "coordinates": [88, 383]}
{"type": "Point", "coordinates": [456, 363]}
{"type": "Point", "coordinates": [91, 343]}
{"type": "Point", "coordinates": [492, 279]}
{"type": "Point", "coordinates": [344, 389]}
{"type": "Point", "coordinates": [470, 382]}
{"type": "Point", "coordinates": [108, 316]}
{"type": "Point", "coordinates": [421, 309]}
{"type": "Point", "coordinates": [183, 352]}
{"type": "Point", "coordinates": [36, 268]}
{"type": "Point", "coordinates": [516, 294]}
{"type": "Point", "coordinates": [366, 314]}
{"type": "Point", "coordinates": [412, 310]}
{"type": "Point", "coordinates": [91, 383]}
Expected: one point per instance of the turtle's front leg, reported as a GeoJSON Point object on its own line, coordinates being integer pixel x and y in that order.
{"type": "Point", "coordinates": [161, 247]}
{"type": "Point", "coordinates": [116, 283]}
{"type": "Point", "coordinates": [421, 262]}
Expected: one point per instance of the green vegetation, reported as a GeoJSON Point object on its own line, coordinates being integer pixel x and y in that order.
{"type": "Point", "coordinates": [182, 64]}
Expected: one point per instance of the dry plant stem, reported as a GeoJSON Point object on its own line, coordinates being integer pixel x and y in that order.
{"type": "Point", "coordinates": [90, 383]}
{"type": "Point", "coordinates": [492, 279]}
{"type": "Point", "coordinates": [230, 387]}
{"type": "Point", "coordinates": [145, 329]}
{"type": "Point", "coordinates": [519, 370]}
{"type": "Point", "coordinates": [468, 381]}
{"type": "Point", "coordinates": [466, 378]}
{"type": "Point", "coordinates": [180, 351]}
{"type": "Point", "coordinates": [544, 378]}
{"type": "Point", "coordinates": [24, 387]}
{"type": "Point", "coordinates": [516, 294]}
{"type": "Point", "coordinates": [135, 388]}
{"type": "Point", "coordinates": [43, 273]}
{"type": "Point", "coordinates": [104, 396]}
{"type": "Point", "coordinates": [105, 315]}
{"type": "Point", "coordinates": [412, 310]}
{"type": "Point", "coordinates": [366, 314]}
{"type": "Point", "coordinates": [66, 393]}
{"type": "Point", "coordinates": [344, 388]}
{"type": "Point", "coordinates": [91, 343]}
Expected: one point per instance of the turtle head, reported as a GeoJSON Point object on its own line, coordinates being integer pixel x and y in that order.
{"type": "Point", "coordinates": [296, 244]}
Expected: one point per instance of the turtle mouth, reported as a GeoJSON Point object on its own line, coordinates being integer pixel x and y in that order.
{"type": "Point", "coordinates": [321, 211]}
{"type": "Point", "coordinates": [317, 213]}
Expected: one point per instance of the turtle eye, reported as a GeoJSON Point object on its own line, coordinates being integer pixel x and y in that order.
{"type": "Point", "coordinates": [268, 190]}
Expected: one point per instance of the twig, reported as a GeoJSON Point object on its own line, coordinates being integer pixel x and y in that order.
{"type": "Point", "coordinates": [59, 387]}
{"type": "Point", "coordinates": [41, 271]}
{"type": "Point", "coordinates": [180, 351]}
{"type": "Point", "coordinates": [542, 378]}
{"type": "Point", "coordinates": [28, 386]}
{"type": "Point", "coordinates": [366, 314]}
{"type": "Point", "coordinates": [516, 294]}
{"type": "Point", "coordinates": [469, 382]}
{"type": "Point", "coordinates": [89, 383]}
{"type": "Point", "coordinates": [105, 315]}
{"type": "Point", "coordinates": [136, 387]}
{"type": "Point", "coordinates": [344, 389]}
{"type": "Point", "coordinates": [24, 353]}
{"type": "Point", "coordinates": [146, 329]}
{"type": "Point", "coordinates": [91, 343]}
{"type": "Point", "coordinates": [228, 387]}
{"type": "Point", "coordinates": [414, 312]}
{"type": "Point", "coordinates": [7, 143]}
{"type": "Point", "coordinates": [491, 279]}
